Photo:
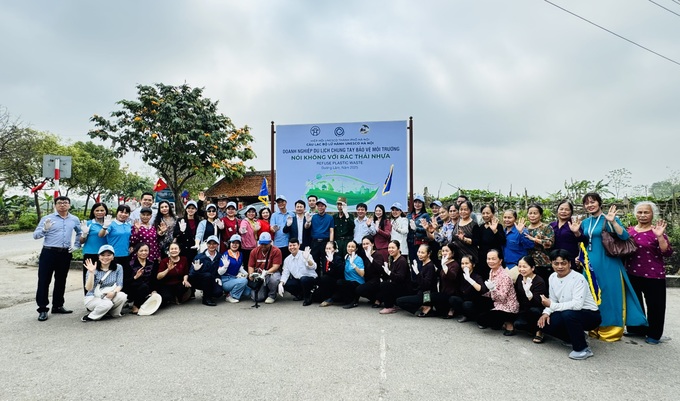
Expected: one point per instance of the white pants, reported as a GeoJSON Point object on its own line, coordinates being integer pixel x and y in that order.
{"type": "Point", "coordinates": [101, 306]}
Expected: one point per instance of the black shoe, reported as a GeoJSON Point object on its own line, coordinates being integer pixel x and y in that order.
{"type": "Point", "coordinates": [375, 306]}
{"type": "Point", "coordinates": [209, 302]}
{"type": "Point", "coordinates": [86, 319]}
{"type": "Point", "coordinates": [297, 298]}
{"type": "Point", "coordinates": [61, 309]}
{"type": "Point", "coordinates": [306, 303]}
{"type": "Point", "coordinates": [42, 316]}
{"type": "Point", "coordinates": [350, 305]}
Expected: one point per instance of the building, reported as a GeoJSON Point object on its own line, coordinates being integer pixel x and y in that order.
{"type": "Point", "coordinates": [243, 191]}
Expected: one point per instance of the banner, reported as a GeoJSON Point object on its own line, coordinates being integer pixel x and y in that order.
{"type": "Point", "coordinates": [363, 162]}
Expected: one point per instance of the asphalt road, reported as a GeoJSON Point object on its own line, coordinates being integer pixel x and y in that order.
{"type": "Point", "coordinates": [289, 352]}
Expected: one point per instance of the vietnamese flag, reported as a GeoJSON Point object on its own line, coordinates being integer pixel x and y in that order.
{"type": "Point", "coordinates": [160, 185]}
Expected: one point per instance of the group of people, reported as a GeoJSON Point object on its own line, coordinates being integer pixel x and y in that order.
{"type": "Point", "coordinates": [518, 274]}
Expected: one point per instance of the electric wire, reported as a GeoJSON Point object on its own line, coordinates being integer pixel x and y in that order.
{"type": "Point", "coordinates": [669, 10]}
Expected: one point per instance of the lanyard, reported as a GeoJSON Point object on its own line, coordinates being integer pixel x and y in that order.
{"type": "Point", "coordinates": [590, 232]}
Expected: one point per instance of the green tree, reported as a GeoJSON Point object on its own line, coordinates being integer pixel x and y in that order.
{"type": "Point", "coordinates": [130, 185]}
{"type": "Point", "coordinates": [94, 169]}
{"type": "Point", "coordinates": [178, 132]}
{"type": "Point", "coordinates": [22, 166]}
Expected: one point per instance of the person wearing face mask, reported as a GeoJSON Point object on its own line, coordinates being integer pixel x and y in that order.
{"type": "Point", "coordinates": [619, 306]}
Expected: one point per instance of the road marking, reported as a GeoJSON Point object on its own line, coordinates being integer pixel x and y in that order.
{"type": "Point", "coordinates": [383, 363]}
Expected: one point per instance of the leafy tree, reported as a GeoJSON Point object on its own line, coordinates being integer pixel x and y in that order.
{"type": "Point", "coordinates": [178, 132]}
{"type": "Point", "coordinates": [667, 188]}
{"type": "Point", "coordinates": [619, 179]}
{"type": "Point", "coordinates": [94, 169]}
{"type": "Point", "coordinates": [130, 185]}
{"type": "Point", "coordinates": [22, 166]}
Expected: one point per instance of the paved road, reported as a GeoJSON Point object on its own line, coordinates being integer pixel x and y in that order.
{"type": "Point", "coordinates": [289, 352]}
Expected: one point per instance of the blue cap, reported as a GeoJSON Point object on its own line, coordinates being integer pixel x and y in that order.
{"type": "Point", "coordinates": [419, 198]}
{"type": "Point", "coordinates": [212, 238]}
{"type": "Point", "coordinates": [437, 203]}
{"type": "Point", "coordinates": [265, 238]}
{"type": "Point", "coordinates": [235, 237]}
{"type": "Point", "coordinates": [396, 205]}
{"type": "Point", "coordinates": [105, 248]}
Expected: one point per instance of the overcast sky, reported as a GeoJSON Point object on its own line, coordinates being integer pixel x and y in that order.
{"type": "Point", "coordinates": [503, 93]}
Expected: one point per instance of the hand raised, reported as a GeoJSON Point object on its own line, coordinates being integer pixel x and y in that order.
{"type": "Point", "coordinates": [611, 214]}
{"type": "Point", "coordinates": [659, 228]}
{"type": "Point", "coordinates": [289, 221]}
{"type": "Point", "coordinates": [306, 254]}
{"type": "Point", "coordinates": [386, 269]}
{"type": "Point", "coordinates": [84, 228]}
{"type": "Point", "coordinates": [520, 224]}
{"type": "Point", "coordinates": [201, 196]}
{"type": "Point", "coordinates": [414, 266]}
{"type": "Point", "coordinates": [90, 266]}
{"type": "Point", "coordinates": [182, 225]}
{"type": "Point", "coordinates": [575, 224]}
{"type": "Point", "coordinates": [197, 265]}
{"type": "Point", "coordinates": [47, 225]}
{"type": "Point", "coordinates": [219, 224]}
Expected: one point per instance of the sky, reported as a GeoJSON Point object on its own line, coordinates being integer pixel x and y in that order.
{"type": "Point", "coordinates": [505, 95]}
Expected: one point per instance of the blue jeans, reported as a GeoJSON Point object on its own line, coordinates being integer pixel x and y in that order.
{"type": "Point", "coordinates": [235, 286]}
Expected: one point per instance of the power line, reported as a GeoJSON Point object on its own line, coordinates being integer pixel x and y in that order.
{"type": "Point", "coordinates": [613, 33]}
{"type": "Point", "coordinates": [670, 11]}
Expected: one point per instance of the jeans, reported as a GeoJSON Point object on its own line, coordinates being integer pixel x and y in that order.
{"type": "Point", "coordinates": [569, 326]}
{"type": "Point", "coordinates": [235, 286]}
{"type": "Point", "coordinates": [268, 289]}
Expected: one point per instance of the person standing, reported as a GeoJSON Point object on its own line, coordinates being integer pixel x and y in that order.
{"type": "Point", "coordinates": [281, 219]}
{"type": "Point", "coordinates": [147, 201]}
{"type": "Point", "coordinates": [311, 200]}
{"type": "Point", "coordinates": [295, 225]}
{"type": "Point", "coordinates": [646, 269]}
{"type": "Point", "coordinates": [362, 223]}
{"type": "Point", "coordinates": [343, 226]}
{"type": "Point", "coordinates": [322, 228]}
{"type": "Point", "coordinates": [55, 258]}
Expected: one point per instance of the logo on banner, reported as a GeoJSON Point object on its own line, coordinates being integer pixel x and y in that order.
{"type": "Point", "coordinates": [364, 129]}
{"type": "Point", "coordinates": [339, 131]}
{"type": "Point", "coordinates": [315, 130]}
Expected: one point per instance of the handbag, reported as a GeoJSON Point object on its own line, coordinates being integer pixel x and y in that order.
{"type": "Point", "coordinates": [99, 291]}
{"type": "Point", "coordinates": [616, 247]}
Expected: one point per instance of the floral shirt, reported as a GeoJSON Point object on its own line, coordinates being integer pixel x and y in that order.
{"type": "Point", "coordinates": [546, 235]}
{"type": "Point", "coordinates": [504, 295]}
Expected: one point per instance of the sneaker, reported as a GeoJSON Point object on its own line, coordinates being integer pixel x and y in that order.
{"type": "Point", "coordinates": [270, 300]}
{"type": "Point", "coordinates": [232, 300]}
{"type": "Point", "coordinates": [652, 341]}
{"type": "Point", "coordinates": [327, 302]}
{"type": "Point", "coordinates": [578, 355]}
{"type": "Point", "coordinates": [664, 339]}
{"type": "Point", "coordinates": [86, 319]}
{"type": "Point", "coordinates": [387, 311]}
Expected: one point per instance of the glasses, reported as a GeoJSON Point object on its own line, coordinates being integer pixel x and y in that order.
{"type": "Point", "coordinates": [63, 203]}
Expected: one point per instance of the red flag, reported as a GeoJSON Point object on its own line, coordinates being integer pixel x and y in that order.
{"type": "Point", "coordinates": [38, 187]}
{"type": "Point", "coordinates": [160, 185]}
{"type": "Point", "coordinates": [99, 198]}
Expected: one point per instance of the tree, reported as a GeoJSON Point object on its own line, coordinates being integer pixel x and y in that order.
{"type": "Point", "coordinates": [130, 185]}
{"type": "Point", "coordinates": [9, 133]}
{"type": "Point", "coordinates": [178, 132]}
{"type": "Point", "coordinates": [94, 169]}
{"type": "Point", "coordinates": [619, 179]}
{"type": "Point", "coordinates": [22, 166]}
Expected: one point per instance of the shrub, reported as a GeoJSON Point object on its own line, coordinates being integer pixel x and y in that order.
{"type": "Point", "coordinates": [28, 221]}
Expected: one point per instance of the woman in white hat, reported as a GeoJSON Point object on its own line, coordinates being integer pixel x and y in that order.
{"type": "Point", "coordinates": [103, 283]}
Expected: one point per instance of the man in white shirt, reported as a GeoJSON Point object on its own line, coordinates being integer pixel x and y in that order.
{"type": "Point", "coordinates": [147, 201]}
{"type": "Point", "coordinates": [299, 273]}
{"type": "Point", "coordinates": [362, 223]}
{"type": "Point", "coordinates": [571, 309]}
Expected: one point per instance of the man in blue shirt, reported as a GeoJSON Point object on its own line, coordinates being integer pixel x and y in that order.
{"type": "Point", "coordinates": [278, 221]}
{"type": "Point", "coordinates": [55, 258]}
{"type": "Point", "coordinates": [322, 226]}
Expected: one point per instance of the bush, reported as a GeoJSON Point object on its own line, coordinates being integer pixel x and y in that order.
{"type": "Point", "coordinates": [78, 254]}
{"type": "Point", "coordinates": [28, 221]}
{"type": "Point", "coordinates": [9, 228]}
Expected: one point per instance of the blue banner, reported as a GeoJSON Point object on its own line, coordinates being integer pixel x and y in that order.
{"type": "Point", "coordinates": [363, 162]}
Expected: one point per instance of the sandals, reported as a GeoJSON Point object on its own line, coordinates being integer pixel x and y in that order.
{"type": "Point", "coordinates": [538, 338]}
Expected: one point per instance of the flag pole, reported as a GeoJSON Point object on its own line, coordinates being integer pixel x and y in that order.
{"type": "Point", "coordinates": [272, 176]}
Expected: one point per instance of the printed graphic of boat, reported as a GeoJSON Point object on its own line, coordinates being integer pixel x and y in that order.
{"type": "Point", "coordinates": [332, 186]}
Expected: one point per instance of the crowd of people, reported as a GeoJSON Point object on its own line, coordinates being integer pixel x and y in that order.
{"type": "Point", "coordinates": [511, 274]}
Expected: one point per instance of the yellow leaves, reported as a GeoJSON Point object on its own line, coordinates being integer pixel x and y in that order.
{"type": "Point", "coordinates": [154, 135]}
{"type": "Point", "coordinates": [215, 146]}
{"type": "Point", "coordinates": [206, 135]}
{"type": "Point", "coordinates": [232, 137]}
{"type": "Point", "coordinates": [138, 119]}
{"type": "Point", "coordinates": [240, 163]}
{"type": "Point", "coordinates": [216, 165]}
{"type": "Point", "coordinates": [155, 103]}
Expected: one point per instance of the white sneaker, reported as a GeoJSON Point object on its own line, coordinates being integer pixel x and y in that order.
{"type": "Point", "coordinates": [578, 355]}
{"type": "Point", "coordinates": [270, 300]}
{"type": "Point", "coordinates": [232, 300]}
